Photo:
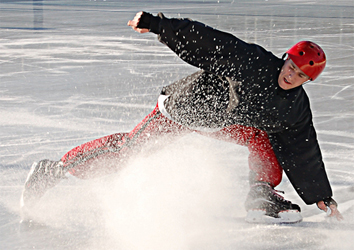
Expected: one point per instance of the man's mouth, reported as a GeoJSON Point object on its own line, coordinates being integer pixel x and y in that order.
{"type": "Point", "coordinates": [286, 81]}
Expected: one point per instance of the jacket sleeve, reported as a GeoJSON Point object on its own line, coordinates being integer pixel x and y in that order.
{"type": "Point", "coordinates": [298, 152]}
{"type": "Point", "coordinates": [207, 48]}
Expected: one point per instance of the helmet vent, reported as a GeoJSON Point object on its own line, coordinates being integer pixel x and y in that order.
{"type": "Point", "coordinates": [301, 53]}
{"type": "Point", "coordinates": [319, 54]}
{"type": "Point", "coordinates": [311, 63]}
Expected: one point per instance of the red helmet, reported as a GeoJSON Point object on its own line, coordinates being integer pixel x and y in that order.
{"type": "Point", "coordinates": [309, 57]}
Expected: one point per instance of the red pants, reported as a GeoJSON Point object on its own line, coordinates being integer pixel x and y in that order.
{"type": "Point", "coordinates": [83, 161]}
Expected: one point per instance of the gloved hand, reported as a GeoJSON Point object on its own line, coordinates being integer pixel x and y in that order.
{"type": "Point", "coordinates": [330, 206]}
{"type": "Point", "coordinates": [135, 23]}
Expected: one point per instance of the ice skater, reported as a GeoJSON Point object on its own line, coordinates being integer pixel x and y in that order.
{"type": "Point", "coordinates": [242, 94]}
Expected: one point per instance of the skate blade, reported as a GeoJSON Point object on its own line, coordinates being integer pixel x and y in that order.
{"type": "Point", "coordinates": [33, 167]}
{"type": "Point", "coordinates": [24, 205]}
{"type": "Point", "coordinates": [285, 217]}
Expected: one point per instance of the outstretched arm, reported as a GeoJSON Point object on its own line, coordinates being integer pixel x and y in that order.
{"type": "Point", "coordinates": [205, 47]}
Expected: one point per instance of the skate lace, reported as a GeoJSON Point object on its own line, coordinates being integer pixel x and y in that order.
{"type": "Point", "coordinates": [55, 170]}
{"type": "Point", "coordinates": [273, 192]}
{"type": "Point", "coordinates": [278, 196]}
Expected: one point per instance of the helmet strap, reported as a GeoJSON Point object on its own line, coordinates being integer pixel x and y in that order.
{"type": "Point", "coordinates": [309, 80]}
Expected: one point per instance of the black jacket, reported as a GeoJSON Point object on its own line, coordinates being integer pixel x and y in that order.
{"type": "Point", "coordinates": [238, 84]}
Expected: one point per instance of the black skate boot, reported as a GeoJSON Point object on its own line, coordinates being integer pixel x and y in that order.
{"type": "Point", "coordinates": [42, 176]}
{"type": "Point", "coordinates": [265, 205]}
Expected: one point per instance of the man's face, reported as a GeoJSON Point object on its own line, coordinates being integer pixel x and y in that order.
{"type": "Point", "coordinates": [291, 76]}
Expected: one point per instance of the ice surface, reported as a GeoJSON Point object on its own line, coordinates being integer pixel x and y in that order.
{"type": "Point", "coordinates": [72, 71]}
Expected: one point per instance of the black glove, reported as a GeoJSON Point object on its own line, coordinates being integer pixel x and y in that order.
{"type": "Point", "coordinates": [145, 21]}
{"type": "Point", "coordinates": [150, 22]}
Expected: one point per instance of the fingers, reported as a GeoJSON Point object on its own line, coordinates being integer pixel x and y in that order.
{"type": "Point", "coordinates": [321, 205]}
{"type": "Point", "coordinates": [334, 212]}
{"type": "Point", "coordinates": [140, 30]}
{"type": "Point", "coordinates": [136, 19]}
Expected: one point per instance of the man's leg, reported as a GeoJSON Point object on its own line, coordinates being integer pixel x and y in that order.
{"type": "Point", "coordinates": [98, 157]}
{"type": "Point", "coordinates": [84, 161]}
{"type": "Point", "coordinates": [108, 154]}
{"type": "Point", "coordinates": [263, 163]}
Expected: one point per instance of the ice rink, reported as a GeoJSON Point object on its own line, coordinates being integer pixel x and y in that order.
{"type": "Point", "coordinates": [73, 71]}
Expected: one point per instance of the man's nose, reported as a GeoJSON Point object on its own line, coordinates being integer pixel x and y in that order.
{"type": "Point", "coordinates": [291, 73]}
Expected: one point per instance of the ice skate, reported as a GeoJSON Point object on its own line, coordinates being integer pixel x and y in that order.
{"type": "Point", "coordinates": [42, 176]}
{"type": "Point", "coordinates": [265, 205]}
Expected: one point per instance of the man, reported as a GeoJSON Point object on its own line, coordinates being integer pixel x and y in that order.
{"type": "Point", "coordinates": [243, 94]}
